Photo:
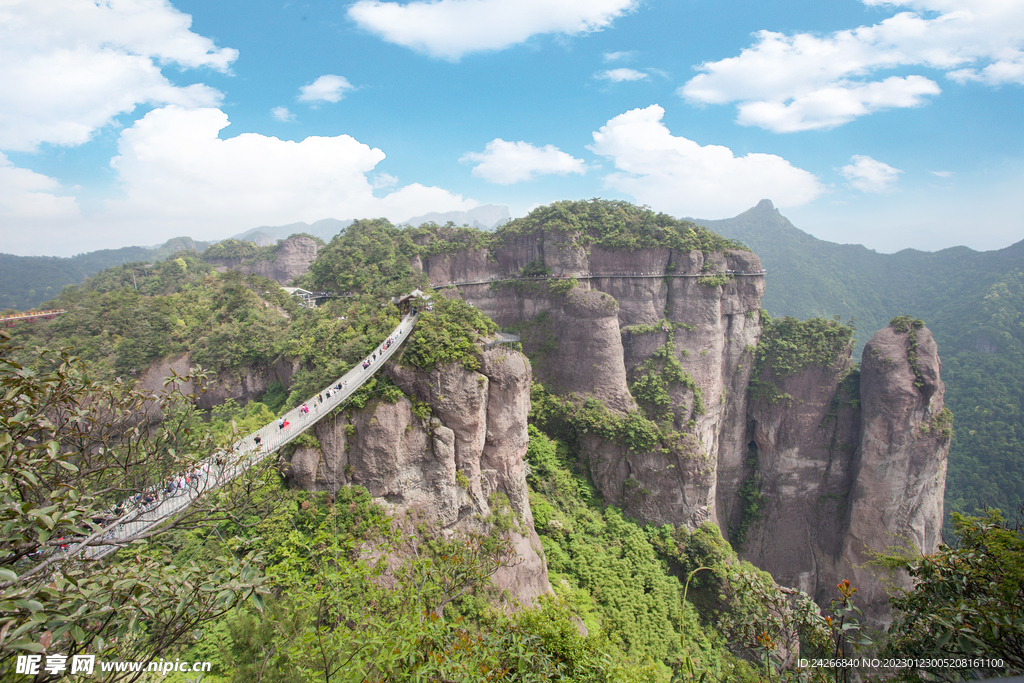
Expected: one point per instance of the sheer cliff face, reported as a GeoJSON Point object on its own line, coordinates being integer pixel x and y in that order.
{"type": "Point", "coordinates": [587, 343]}
{"type": "Point", "coordinates": [291, 260]}
{"type": "Point", "coordinates": [900, 464]}
{"type": "Point", "coordinates": [849, 463]}
{"type": "Point", "coordinates": [477, 430]}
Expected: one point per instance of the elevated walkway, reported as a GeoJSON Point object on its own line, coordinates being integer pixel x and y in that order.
{"type": "Point", "coordinates": [29, 316]}
{"type": "Point", "coordinates": [244, 455]}
{"type": "Point", "coordinates": [599, 276]}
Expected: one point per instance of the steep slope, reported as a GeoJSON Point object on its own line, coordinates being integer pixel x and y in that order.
{"type": "Point", "coordinates": [842, 461]}
{"type": "Point", "coordinates": [972, 301]}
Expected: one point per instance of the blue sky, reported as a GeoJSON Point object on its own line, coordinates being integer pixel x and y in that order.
{"type": "Point", "coordinates": [892, 125]}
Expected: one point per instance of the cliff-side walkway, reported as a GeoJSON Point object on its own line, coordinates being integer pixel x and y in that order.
{"type": "Point", "coordinates": [223, 467]}
{"type": "Point", "coordinates": [596, 276]}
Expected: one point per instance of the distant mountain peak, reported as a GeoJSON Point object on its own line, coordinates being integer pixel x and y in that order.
{"type": "Point", "coordinates": [765, 205]}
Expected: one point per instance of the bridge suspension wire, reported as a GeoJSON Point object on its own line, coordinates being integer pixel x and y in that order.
{"type": "Point", "coordinates": [223, 467]}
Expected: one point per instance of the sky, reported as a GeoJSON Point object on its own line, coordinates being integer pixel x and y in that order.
{"type": "Point", "coordinates": [127, 122]}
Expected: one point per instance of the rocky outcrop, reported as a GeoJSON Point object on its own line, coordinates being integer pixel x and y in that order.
{"type": "Point", "coordinates": [289, 260]}
{"type": "Point", "coordinates": [833, 468]}
{"type": "Point", "coordinates": [593, 341]}
{"type": "Point", "coordinates": [900, 463]}
{"type": "Point", "coordinates": [457, 465]}
{"type": "Point", "coordinates": [848, 463]}
{"type": "Point", "coordinates": [242, 384]}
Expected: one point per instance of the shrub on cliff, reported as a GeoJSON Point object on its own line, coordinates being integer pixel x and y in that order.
{"type": "Point", "coordinates": [789, 345]}
{"type": "Point", "coordinates": [370, 256]}
{"type": "Point", "coordinates": [967, 605]}
{"type": "Point", "coordinates": [616, 225]}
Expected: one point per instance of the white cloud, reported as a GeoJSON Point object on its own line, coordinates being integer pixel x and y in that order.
{"type": "Point", "coordinates": [626, 56]}
{"type": "Point", "coordinates": [179, 178]}
{"type": "Point", "coordinates": [506, 163]}
{"type": "Point", "coordinates": [619, 75]}
{"type": "Point", "coordinates": [70, 66]}
{"type": "Point", "coordinates": [282, 114]}
{"type": "Point", "coordinates": [869, 175]}
{"type": "Point", "coordinates": [806, 81]}
{"type": "Point", "coordinates": [450, 29]}
{"type": "Point", "coordinates": [680, 177]}
{"type": "Point", "coordinates": [327, 88]}
{"type": "Point", "coordinates": [384, 180]}
{"type": "Point", "coordinates": [942, 174]}
{"type": "Point", "coordinates": [28, 200]}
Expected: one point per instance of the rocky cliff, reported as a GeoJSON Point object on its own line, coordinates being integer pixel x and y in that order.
{"type": "Point", "coordinates": [241, 385]}
{"type": "Point", "coordinates": [455, 457]}
{"type": "Point", "coordinates": [596, 339]}
{"type": "Point", "coordinates": [287, 261]}
{"type": "Point", "coordinates": [804, 487]}
{"type": "Point", "coordinates": [844, 461]}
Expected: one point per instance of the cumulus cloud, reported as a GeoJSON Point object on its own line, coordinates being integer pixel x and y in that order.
{"type": "Point", "coordinates": [70, 66]}
{"type": "Point", "coordinates": [869, 175]}
{"type": "Point", "coordinates": [506, 163]}
{"type": "Point", "coordinates": [806, 81]}
{"type": "Point", "coordinates": [680, 177]}
{"type": "Point", "coordinates": [327, 88]}
{"type": "Point", "coordinates": [282, 114]}
{"type": "Point", "coordinates": [449, 29]}
{"type": "Point", "coordinates": [619, 75]}
{"type": "Point", "coordinates": [179, 178]}
{"type": "Point", "coordinates": [30, 200]}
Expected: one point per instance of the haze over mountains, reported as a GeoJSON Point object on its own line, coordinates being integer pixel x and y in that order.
{"type": "Point", "coordinates": [486, 217]}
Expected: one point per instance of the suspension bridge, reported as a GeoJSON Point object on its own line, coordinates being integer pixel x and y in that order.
{"type": "Point", "coordinates": [247, 452]}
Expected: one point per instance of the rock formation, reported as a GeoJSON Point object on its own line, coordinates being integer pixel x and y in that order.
{"type": "Point", "coordinates": [837, 472]}
{"type": "Point", "coordinates": [459, 465]}
{"type": "Point", "coordinates": [850, 463]}
{"type": "Point", "coordinates": [593, 340]}
{"type": "Point", "coordinates": [241, 385]}
{"type": "Point", "coordinates": [289, 260]}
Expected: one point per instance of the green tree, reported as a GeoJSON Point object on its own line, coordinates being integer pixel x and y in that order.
{"type": "Point", "coordinates": [967, 604]}
{"type": "Point", "coordinates": [70, 449]}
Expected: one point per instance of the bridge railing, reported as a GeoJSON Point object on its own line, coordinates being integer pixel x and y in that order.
{"type": "Point", "coordinates": [223, 467]}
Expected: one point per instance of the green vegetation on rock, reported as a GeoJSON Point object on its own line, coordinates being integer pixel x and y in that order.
{"type": "Point", "coordinates": [615, 225]}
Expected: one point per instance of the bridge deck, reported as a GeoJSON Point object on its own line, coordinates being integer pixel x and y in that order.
{"type": "Point", "coordinates": [244, 454]}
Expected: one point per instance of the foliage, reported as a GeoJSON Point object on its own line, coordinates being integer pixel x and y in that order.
{"type": "Point", "coordinates": [70, 449]}
{"type": "Point", "coordinates": [359, 598]}
{"type": "Point", "coordinates": [448, 334]}
{"type": "Point", "coordinates": [967, 603]}
{"type": "Point", "coordinates": [652, 380]}
{"type": "Point", "coordinates": [231, 249]}
{"type": "Point", "coordinates": [28, 281]}
{"type": "Point", "coordinates": [715, 280]}
{"type": "Point", "coordinates": [369, 256]}
{"type": "Point", "coordinates": [572, 416]}
{"type": "Point", "coordinates": [789, 345]}
{"type": "Point", "coordinates": [752, 501]}
{"type": "Point", "coordinates": [436, 239]}
{"type": "Point", "coordinates": [615, 225]}
{"type": "Point", "coordinates": [220, 320]}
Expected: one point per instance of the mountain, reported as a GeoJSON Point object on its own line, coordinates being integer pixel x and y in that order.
{"type": "Point", "coordinates": [972, 301]}
{"type": "Point", "coordinates": [266, 235]}
{"type": "Point", "coordinates": [27, 281]}
{"type": "Point", "coordinates": [486, 217]}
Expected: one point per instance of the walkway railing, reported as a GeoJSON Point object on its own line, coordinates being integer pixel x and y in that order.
{"type": "Point", "coordinates": [597, 276]}
{"type": "Point", "coordinates": [223, 467]}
